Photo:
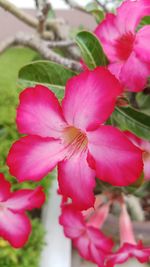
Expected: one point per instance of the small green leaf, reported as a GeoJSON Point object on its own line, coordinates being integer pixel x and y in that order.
{"type": "Point", "coordinates": [145, 21]}
{"type": "Point", "coordinates": [130, 119]}
{"type": "Point", "coordinates": [91, 49]}
{"type": "Point", "coordinates": [96, 11]}
{"type": "Point", "coordinates": [47, 73]}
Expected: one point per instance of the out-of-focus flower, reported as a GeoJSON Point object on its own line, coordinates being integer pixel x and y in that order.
{"type": "Point", "coordinates": [74, 137]}
{"type": "Point", "coordinates": [128, 50]}
{"type": "Point", "coordinates": [15, 226]}
{"type": "Point", "coordinates": [129, 247]}
{"type": "Point", "coordinates": [145, 146]}
{"type": "Point", "coordinates": [87, 237]}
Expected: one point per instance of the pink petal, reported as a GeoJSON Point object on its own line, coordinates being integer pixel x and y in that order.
{"type": "Point", "coordinates": [97, 255]}
{"type": "Point", "coordinates": [77, 181]}
{"type": "Point", "coordinates": [99, 246]}
{"type": "Point", "coordinates": [32, 157]}
{"type": "Point", "coordinates": [15, 228]}
{"type": "Point", "coordinates": [99, 239]}
{"type": "Point", "coordinates": [134, 73]}
{"type": "Point", "coordinates": [141, 47]}
{"type": "Point", "coordinates": [138, 9]}
{"type": "Point", "coordinates": [4, 188]}
{"type": "Point", "coordinates": [82, 244]}
{"type": "Point", "coordinates": [133, 138]}
{"type": "Point", "coordinates": [107, 32]}
{"type": "Point", "coordinates": [26, 199]}
{"type": "Point", "coordinates": [115, 68]}
{"type": "Point", "coordinates": [39, 113]}
{"type": "Point", "coordinates": [90, 98]}
{"type": "Point", "coordinates": [145, 146]}
{"type": "Point", "coordinates": [99, 217]}
{"type": "Point", "coordinates": [72, 222]}
{"type": "Point", "coordinates": [127, 251]}
{"type": "Point", "coordinates": [147, 166]}
{"type": "Point", "coordinates": [117, 161]}
{"type": "Point", "coordinates": [126, 228]}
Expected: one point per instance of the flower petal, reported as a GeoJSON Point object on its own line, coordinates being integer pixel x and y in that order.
{"type": "Point", "coordinates": [90, 98]}
{"type": "Point", "coordinates": [82, 244]}
{"type": "Point", "coordinates": [4, 188]}
{"type": "Point", "coordinates": [134, 73]}
{"type": "Point", "coordinates": [32, 157]}
{"type": "Point", "coordinates": [133, 138]}
{"type": "Point", "coordinates": [26, 199]}
{"type": "Point", "coordinates": [15, 228]}
{"type": "Point", "coordinates": [126, 251]}
{"type": "Point", "coordinates": [107, 33]}
{"type": "Point", "coordinates": [141, 47]}
{"type": "Point", "coordinates": [117, 161]}
{"type": "Point", "coordinates": [99, 239]}
{"type": "Point", "coordinates": [72, 222]}
{"type": "Point", "coordinates": [145, 146]}
{"type": "Point", "coordinates": [99, 217]}
{"type": "Point", "coordinates": [39, 113]}
{"type": "Point", "coordinates": [77, 181]}
{"type": "Point", "coordinates": [115, 68]}
{"type": "Point", "coordinates": [138, 9]}
{"type": "Point", "coordinates": [146, 166]}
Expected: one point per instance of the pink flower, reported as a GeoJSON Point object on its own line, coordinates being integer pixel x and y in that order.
{"type": "Point", "coordinates": [129, 248]}
{"type": "Point", "coordinates": [74, 137]}
{"type": "Point", "coordinates": [145, 146]}
{"type": "Point", "coordinates": [128, 50]}
{"type": "Point", "coordinates": [91, 243]}
{"type": "Point", "coordinates": [15, 226]}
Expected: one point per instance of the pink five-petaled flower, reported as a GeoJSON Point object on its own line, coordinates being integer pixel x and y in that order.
{"type": "Point", "coordinates": [91, 243]}
{"type": "Point", "coordinates": [145, 146]}
{"type": "Point", "coordinates": [129, 248]}
{"type": "Point", "coordinates": [127, 50]}
{"type": "Point", "coordinates": [75, 137]}
{"type": "Point", "coordinates": [15, 226]}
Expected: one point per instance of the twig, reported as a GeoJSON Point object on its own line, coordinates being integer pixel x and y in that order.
{"type": "Point", "coordinates": [40, 46]}
{"type": "Point", "coordinates": [102, 6]}
{"type": "Point", "coordinates": [74, 5]}
{"type": "Point", "coordinates": [63, 43]}
{"type": "Point", "coordinates": [31, 21]}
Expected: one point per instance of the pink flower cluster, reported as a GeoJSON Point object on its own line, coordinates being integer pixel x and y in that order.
{"type": "Point", "coordinates": [84, 228]}
{"type": "Point", "coordinates": [74, 136]}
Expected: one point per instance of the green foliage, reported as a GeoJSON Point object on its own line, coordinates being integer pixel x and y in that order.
{"type": "Point", "coordinates": [47, 73]}
{"type": "Point", "coordinates": [96, 11]}
{"type": "Point", "coordinates": [135, 121]}
{"type": "Point", "coordinates": [29, 255]}
{"type": "Point", "coordinates": [143, 101]}
{"type": "Point", "coordinates": [91, 49]}
{"type": "Point", "coordinates": [145, 21]}
{"type": "Point", "coordinates": [10, 63]}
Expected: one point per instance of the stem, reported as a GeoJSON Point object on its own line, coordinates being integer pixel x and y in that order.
{"type": "Point", "coordinates": [40, 46]}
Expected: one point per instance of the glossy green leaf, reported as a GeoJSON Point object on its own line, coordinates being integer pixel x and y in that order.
{"type": "Point", "coordinates": [91, 49]}
{"type": "Point", "coordinates": [47, 73]}
{"type": "Point", "coordinates": [96, 11]}
{"type": "Point", "coordinates": [130, 119]}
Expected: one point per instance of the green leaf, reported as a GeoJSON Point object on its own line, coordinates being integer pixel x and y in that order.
{"type": "Point", "coordinates": [91, 49]}
{"type": "Point", "coordinates": [96, 11]}
{"type": "Point", "coordinates": [143, 101]}
{"type": "Point", "coordinates": [145, 21]}
{"type": "Point", "coordinates": [47, 73]}
{"type": "Point", "coordinates": [130, 119]}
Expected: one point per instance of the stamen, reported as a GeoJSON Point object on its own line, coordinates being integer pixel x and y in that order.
{"type": "Point", "coordinates": [75, 141]}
